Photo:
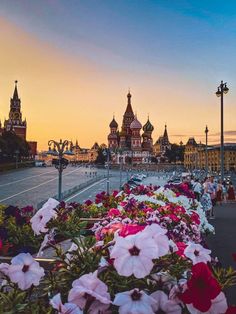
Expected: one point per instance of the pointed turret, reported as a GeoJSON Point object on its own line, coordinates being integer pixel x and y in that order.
{"type": "Point", "coordinates": [113, 138]}
{"type": "Point", "coordinates": [165, 132]}
{"type": "Point", "coordinates": [147, 136]}
{"type": "Point", "coordinates": [129, 106]}
{"type": "Point", "coordinates": [148, 127]}
{"type": "Point", "coordinates": [15, 94]}
{"type": "Point", "coordinates": [113, 123]}
{"type": "Point", "coordinates": [135, 127]}
{"type": "Point", "coordinates": [128, 117]}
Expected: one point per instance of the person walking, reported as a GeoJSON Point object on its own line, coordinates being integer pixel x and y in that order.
{"type": "Point", "coordinates": [231, 192]}
{"type": "Point", "coordinates": [224, 191]}
{"type": "Point", "coordinates": [219, 193]}
{"type": "Point", "coordinates": [206, 198]}
{"type": "Point", "coordinates": [197, 189]}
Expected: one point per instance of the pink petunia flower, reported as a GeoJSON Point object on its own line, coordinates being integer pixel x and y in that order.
{"type": "Point", "coordinates": [130, 229]}
{"type": "Point", "coordinates": [114, 212]}
{"type": "Point", "coordinates": [25, 271]}
{"type": "Point", "coordinates": [197, 253]}
{"type": "Point", "coordinates": [67, 308]}
{"type": "Point", "coordinates": [134, 302]}
{"type": "Point", "coordinates": [162, 303]}
{"type": "Point", "coordinates": [89, 288]}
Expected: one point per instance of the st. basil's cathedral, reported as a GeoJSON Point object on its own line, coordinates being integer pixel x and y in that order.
{"type": "Point", "coordinates": [129, 144]}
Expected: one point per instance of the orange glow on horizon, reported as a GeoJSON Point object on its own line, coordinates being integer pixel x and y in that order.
{"type": "Point", "coordinates": [70, 97]}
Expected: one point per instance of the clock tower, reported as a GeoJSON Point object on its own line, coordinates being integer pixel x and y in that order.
{"type": "Point", "coordinates": [15, 121]}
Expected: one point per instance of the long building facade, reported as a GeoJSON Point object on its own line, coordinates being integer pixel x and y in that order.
{"type": "Point", "coordinates": [195, 156]}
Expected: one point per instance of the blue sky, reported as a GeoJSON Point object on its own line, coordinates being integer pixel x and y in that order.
{"type": "Point", "coordinates": [172, 35]}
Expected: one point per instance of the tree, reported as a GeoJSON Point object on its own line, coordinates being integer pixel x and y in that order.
{"type": "Point", "coordinates": [175, 153]}
{"type": "Point", "coordinates": [11, 144]}
{"type": "Point", "coordinates": [101, 157]}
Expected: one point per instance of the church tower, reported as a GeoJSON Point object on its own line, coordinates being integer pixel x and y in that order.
{"type": "Point", "coordinates": [15, 121]}
{"type": "Point", "coordinates": [113, 140]}
{"type": "Point", "coordinates": [165, 141]}
{"type": "Point", "coordinates": [135, 127]}
{"type": "Point", "coordinates": [128, 117]}
{"type": "Point", "coordinates": [147, 136]}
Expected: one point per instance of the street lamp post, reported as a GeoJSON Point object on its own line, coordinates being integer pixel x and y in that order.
{"type": "Point", "coordinates": [206, 152]}
{"type": "Point", "coordinates": [17, 154]}
{"type": "Point", "coordinates": [106, 153]}
{"type": "Point", "coordinates": [222, 89]}
{"type": "Point", "coordinates": [59, 149]}
{"type": "Point", "coordinates": [120, 154]}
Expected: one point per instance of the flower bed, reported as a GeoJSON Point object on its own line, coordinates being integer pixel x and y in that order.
{"type": "Point", "coordinates": [146, 254]}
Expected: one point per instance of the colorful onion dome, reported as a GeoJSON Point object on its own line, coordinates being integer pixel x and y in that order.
{"type": "Point", "coordinates": [113, 123]}
{"type": "Point", "coordinates": [135, 124]}
{"type": "Point", "coordinates": [148, 127]}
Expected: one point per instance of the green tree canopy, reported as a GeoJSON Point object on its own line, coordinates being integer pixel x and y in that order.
{"type": "Point", "coordinates": [175, 153]}
{"type": "Point", "coordinates": [11, 144]}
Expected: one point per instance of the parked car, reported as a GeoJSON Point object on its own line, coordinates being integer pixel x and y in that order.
{"type": "Point", "coordinates": [40, 163]}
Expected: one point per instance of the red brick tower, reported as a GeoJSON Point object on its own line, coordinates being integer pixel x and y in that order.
{"type": "Point", "coordinates": [113, 137]}
{"type": "Point", "coordinates": [15, 121]}
{"type": "Point", "coordinates": [128, 117]}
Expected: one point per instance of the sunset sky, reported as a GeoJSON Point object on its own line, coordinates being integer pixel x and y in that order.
{"type": "Point", "coordinates": [75, 61]}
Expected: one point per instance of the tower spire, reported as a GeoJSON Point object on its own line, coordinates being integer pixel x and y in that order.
{"type": "Point", "coordinates": [15, 94]}
{"type": "Point", "coordinates": [165, 132]}
{"type": "Point", "coordinates": [129, 106]}
{"type": "Point", "coordinates": [129, 97]}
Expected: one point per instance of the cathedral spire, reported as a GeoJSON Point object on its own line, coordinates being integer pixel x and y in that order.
{"type": "Point", "coordinates": [129, 107]}
{"type": "Point", "coordinates": [165, 132]}
{"type": "Point", "coordinates": [15, 94]}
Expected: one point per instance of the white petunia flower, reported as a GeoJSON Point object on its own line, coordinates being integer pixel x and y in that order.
{"type": "Point", "coordinates": [162, 303]}
{"type": "Point", "coordinates": [134, 254]}
{"type": "Point", "coordinates": [67, 308]}
{"type": "Point", "coordinates": [43, 215]}
{"type": "Point", "coordinates": [159, 236]}
{"type": "Point", "coordinates": [25, 271]}
{"type": "Point", "coordinates": [197, 253]}
{"type": "Point", "coordinates": [134, 302]}
{"type": "Point", "coordinates": [90, 288]}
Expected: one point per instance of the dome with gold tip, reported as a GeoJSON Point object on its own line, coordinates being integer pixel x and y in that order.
{"type": "Point", "coordinates": [148, 127]}
{"type": "Point", "coordinates": [113, 123]}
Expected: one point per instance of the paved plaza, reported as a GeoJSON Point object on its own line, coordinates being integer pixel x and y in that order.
{"type": "Point", "coordinates": [34, 185]}
{"type": "Point", "coordinates": [223, 243]}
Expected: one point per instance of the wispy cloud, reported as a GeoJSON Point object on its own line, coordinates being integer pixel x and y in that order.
{"type": "Point", "coordinates": [229, 133]}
